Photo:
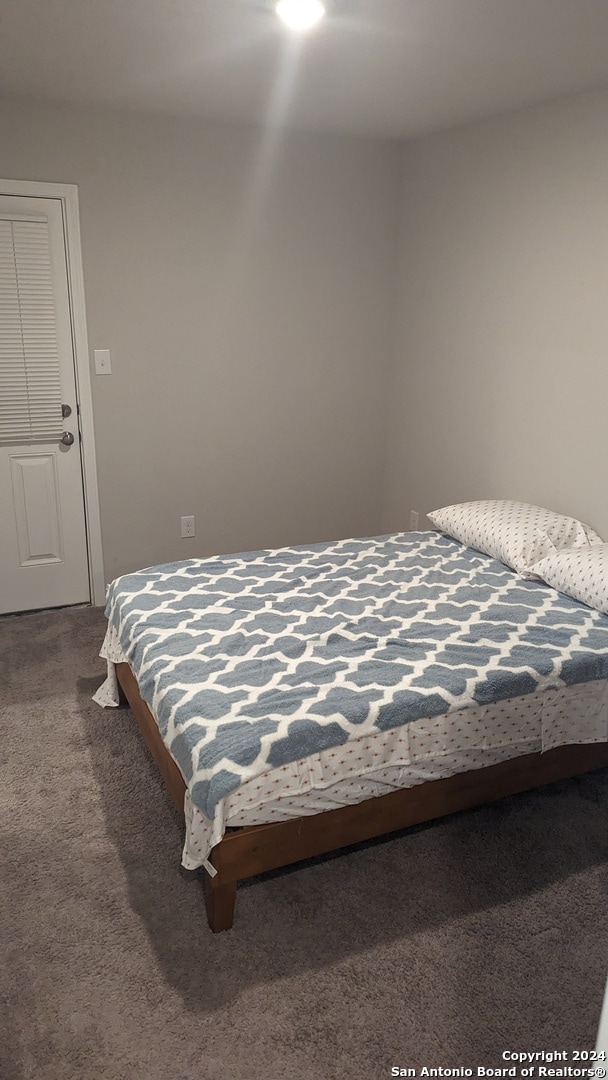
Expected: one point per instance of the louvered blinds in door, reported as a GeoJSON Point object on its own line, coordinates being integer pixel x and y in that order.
{"type": "Point", "coordinates": [30, 385]}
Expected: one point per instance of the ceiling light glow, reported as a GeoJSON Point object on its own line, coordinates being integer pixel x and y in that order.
{"type": "Point", "coordinates": [300, 14]}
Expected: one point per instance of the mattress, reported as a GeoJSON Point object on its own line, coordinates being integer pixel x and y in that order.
{"type": "Point", "coordinates": [354, 666]}
{"type": "Point", "coordinates": [427, 750]}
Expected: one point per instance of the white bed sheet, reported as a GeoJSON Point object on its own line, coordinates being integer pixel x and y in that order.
{"type": "Point", "coordinates": [426, 749]}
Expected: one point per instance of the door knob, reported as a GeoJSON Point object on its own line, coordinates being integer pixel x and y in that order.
{"type": "Point", "coordinates": [67, 438]}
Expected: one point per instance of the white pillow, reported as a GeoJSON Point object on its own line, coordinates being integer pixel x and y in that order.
{"type": "Point", "coordinates": [578, 572]}
{"type": "Point", "coordinates": [516, 533]}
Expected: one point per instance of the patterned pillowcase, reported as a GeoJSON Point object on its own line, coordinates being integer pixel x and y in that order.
{"type": "Point", "coordinates": [516, 533]}
{"type": "Point", "coordinates": [578, 572]}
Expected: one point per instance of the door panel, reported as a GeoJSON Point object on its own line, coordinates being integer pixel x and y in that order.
{"type": "Point", "coordinates": [43, 544]}
{"type": "Point", "coordinates": [36, 505]}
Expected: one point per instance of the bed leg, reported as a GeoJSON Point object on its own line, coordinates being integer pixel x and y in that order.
{"type": "Point", "coordinates": [220, 898]}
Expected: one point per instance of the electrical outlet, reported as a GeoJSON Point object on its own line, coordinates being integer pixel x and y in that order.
{"type": "Point", "coordinates": [413, 520]}
{"type": "Point", "coordinates": [188, 526]}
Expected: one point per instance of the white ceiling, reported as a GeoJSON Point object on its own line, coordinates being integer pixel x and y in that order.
{"type": "Point", "coordinates": [389, 68]}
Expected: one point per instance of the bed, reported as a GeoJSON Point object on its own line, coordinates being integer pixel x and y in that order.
{"type": "Point", "coordinates": [300, 700]}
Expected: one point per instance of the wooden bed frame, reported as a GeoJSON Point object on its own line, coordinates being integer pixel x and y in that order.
{"type": "Point", "coordinates": [245, 852]}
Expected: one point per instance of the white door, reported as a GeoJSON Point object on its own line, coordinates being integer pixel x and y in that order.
{"type": "Point", "coordinates": [43, 543]}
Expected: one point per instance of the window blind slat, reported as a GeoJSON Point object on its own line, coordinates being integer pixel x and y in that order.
{"type": "Point", "coordinates": [30, 382]}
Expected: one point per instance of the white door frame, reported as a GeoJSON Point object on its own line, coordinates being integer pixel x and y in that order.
{"type": "Point", "coordinates": [68, 194]}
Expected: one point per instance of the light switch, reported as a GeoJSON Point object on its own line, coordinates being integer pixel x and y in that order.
{"type": "Point", "coordinates": [102, 362]}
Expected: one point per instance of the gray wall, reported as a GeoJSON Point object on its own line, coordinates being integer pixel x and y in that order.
{"type": "Point", "coordinates": [252, 289]}
{"type": "Point", "coordinates": [500, 385]}
{"type": "Point", "coordinates": [245, 284]}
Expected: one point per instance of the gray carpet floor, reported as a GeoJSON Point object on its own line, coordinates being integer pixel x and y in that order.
{"type": "Point", "coordinates": [440, 947]}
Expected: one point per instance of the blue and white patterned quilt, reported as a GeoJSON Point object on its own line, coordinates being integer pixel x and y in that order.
{"type": "Point", "coordinates": [255, 660]}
